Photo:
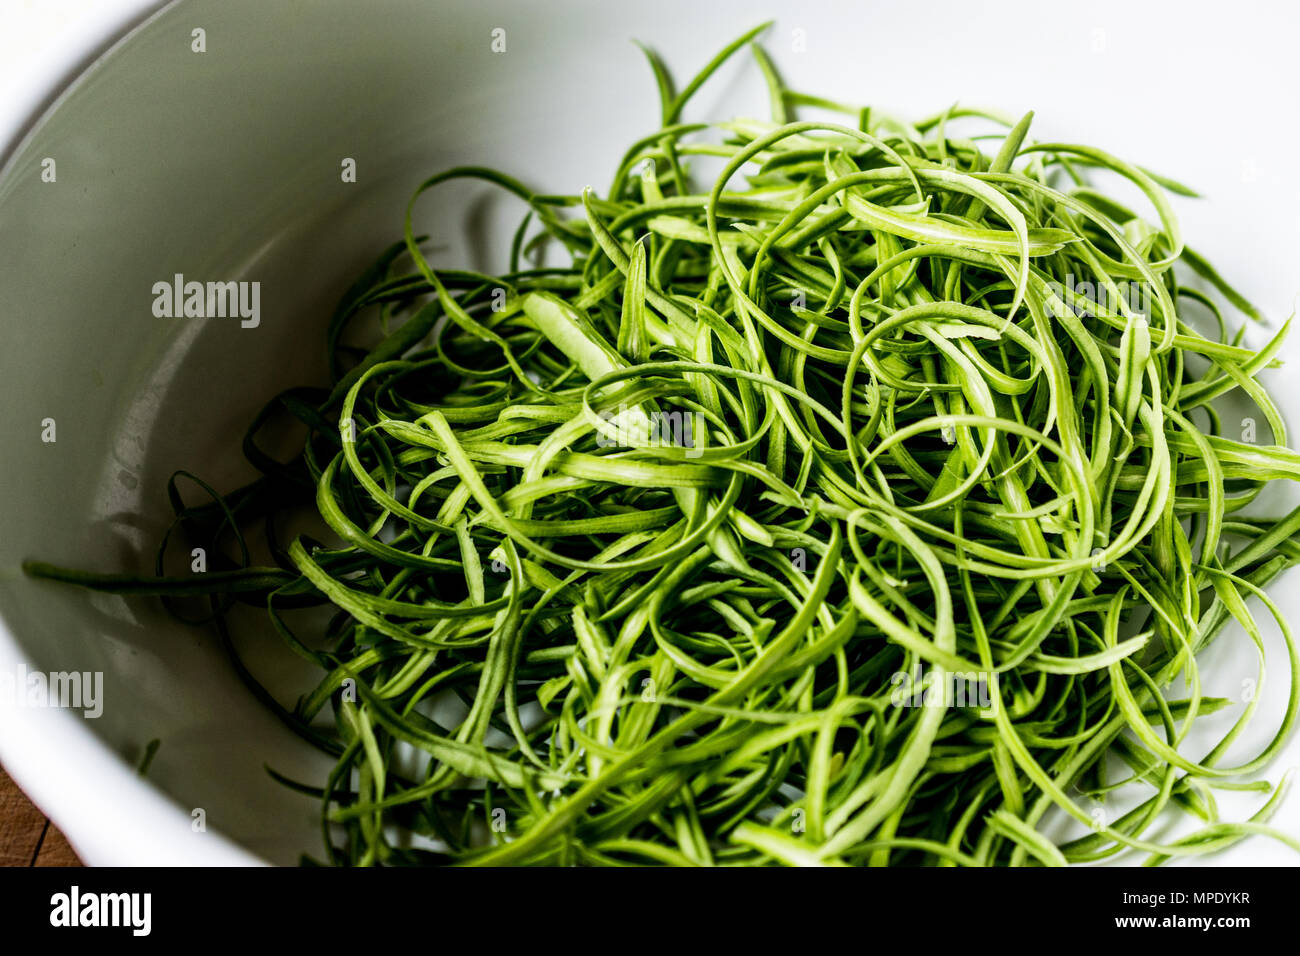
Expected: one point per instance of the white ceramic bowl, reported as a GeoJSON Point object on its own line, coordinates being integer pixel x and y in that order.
{"type": "Point", "coordinates": [226, 164]}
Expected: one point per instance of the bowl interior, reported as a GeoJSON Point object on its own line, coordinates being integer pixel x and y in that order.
{"type": "Point", "coordinates": [226, 165]}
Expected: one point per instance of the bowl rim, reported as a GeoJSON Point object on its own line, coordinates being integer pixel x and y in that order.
{"type": "Point", "coordinates": [109, 814]}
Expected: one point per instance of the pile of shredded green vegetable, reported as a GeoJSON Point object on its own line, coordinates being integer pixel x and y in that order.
{"type": "Point", "coordinates": [677, 553]}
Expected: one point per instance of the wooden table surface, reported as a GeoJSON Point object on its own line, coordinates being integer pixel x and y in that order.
{"type": "Point", "coordinates": [26, 837]}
